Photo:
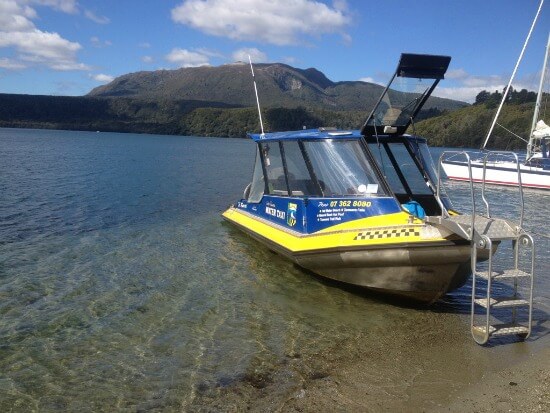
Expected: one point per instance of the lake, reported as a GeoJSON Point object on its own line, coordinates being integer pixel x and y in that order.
{"type": "Point", "coordinates": [122, 289]}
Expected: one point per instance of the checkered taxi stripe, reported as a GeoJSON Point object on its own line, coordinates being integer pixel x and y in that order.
{"type": "Point", "coordinates": [388, 233]}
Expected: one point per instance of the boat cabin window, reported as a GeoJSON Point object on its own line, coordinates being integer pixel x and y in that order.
{"type": "Point", "coordinates": [273, 161]}
{"type": "Point", "coordinates": [299, 177]}
{"type": "Point", "coordinates": [327, 167]}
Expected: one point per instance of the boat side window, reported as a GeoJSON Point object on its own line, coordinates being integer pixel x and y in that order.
{"type": "Point", "coordinates": [400, 170]}
{"type": "Point", "coordinates": [299, 177]}
{"type": "Point", "coordinates": [343, 168]}
{"type": "Point", "coordinates": [385, 163]}
{"type": "Point", "coordinates": [257, 186]}
{"type": "Point", "coordinates": [274, 168]}
{"type": "Point", "coordinates": [415, 178]}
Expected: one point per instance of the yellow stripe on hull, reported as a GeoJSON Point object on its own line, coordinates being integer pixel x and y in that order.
{"type": "Point", "coordinates": [385, 230]}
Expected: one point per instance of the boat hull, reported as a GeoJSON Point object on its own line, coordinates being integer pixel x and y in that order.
{"type": "Point", "coordinates": [418, 273]}
{"type": "Point", "coordinates": [498, 173]}
{"type": "Point", "coordinates": [422, 271]}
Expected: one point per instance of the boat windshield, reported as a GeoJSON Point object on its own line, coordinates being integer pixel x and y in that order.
{"type": "Point", "coordinates": [342, 168]}
{"type": "Point", "coordinates": [323, 168]}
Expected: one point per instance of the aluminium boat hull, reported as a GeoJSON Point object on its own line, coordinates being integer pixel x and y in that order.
{"type": "Point", "coordinates": [418, 273]}
{"type": "Point", "coordinates": [417, 270]}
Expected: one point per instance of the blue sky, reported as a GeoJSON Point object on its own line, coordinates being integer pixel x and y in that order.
{"type": "Point", "coordinates": [68, 47]}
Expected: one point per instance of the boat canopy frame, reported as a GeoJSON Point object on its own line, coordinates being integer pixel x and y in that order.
{"type": "Point", "coordinates": [411, 66]}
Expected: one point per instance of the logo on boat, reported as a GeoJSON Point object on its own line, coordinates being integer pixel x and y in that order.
{"type": "Point", "coordinates": [291, 214]}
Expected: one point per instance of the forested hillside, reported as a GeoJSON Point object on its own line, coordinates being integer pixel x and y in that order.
{"type": "Point", "coordinates": [468, 127]}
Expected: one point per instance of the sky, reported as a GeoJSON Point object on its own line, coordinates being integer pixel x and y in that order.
{"type": "Point", "coordinates": [68, 47]}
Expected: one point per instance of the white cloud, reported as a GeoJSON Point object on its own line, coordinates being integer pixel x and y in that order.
{"type": "Point", "coordinates": [346, 39]}
{"type": "Point", "coordinates": [100, 77]}
{"type": "Point", "coordinates": [256, 55]}
{"type": "Point", "coordinates": [49, 49]}
{"type": "Point", "coordinates": [66, 6]}
{"type": "Point", "coordinates": [367, 79]}
{"type": "Point", "coordinates": [473, 82]}
{"type": "Point", "coordinates": [462, 93]}
{"type": "Point", "coordinates": [456, 74]}
{"type": "Point", "coordinates": [147, 59]}
{"type": "Point", "coordinates": [95, 18]}
{"type": "Point", "coordinates": [210, 53]}
{"type": "Point", "coordinates": [291, 60]}
{"type": "Point", "coordinates": [186, 58]}
{"type": "Point", "coordinates": [10, 64]}
{"type": "Point", "coordinates": [144, 45]}
{"type": "Point", "coordinates": [34, 46]}
{"type": "Point", "coordinates": [466, 87]}
{"type": "Point", "coordinates": [96, 42]}
{"type": "Point", "coordinates": [370, 79]}
{"type": "Point", "coordinates": [15, 17]}
{"type": "Point", "coordinates": [460, 85]}
{"type": "Point", "coordinates": [280, 22]}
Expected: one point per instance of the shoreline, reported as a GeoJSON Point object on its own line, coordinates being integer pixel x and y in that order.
{"type": "Point", "coordinates": [423, 370]}
{"type": "Point", "coordinates": [524, 386]}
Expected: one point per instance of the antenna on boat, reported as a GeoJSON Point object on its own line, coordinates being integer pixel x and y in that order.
{"type": "Point", "coordinates": [513, 75]}
{"type": "Point", "coordinates": [257, 100]}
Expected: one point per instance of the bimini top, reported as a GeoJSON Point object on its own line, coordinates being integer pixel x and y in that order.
{"type": "Point", "coordinates": [321, 133]}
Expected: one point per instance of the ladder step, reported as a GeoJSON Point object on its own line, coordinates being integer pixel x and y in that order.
{"type": "Point", "coordinates": [503, 274]}
{"type": "Point", "coordinates": [502, 329]}
{"type": "Point", "coordinates": [502, 302]}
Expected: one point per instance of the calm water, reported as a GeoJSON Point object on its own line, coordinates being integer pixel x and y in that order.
{"type": "Point", "coordinates": [122, 289]}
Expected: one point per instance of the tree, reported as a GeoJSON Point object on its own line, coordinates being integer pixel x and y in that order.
{"type": "Point", "coordinates": [482, 97]}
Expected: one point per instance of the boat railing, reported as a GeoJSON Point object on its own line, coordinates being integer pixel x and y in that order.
{"type": "Point", "coordinates": [487, 160]}
{"type": "Point", "coordinates": [454, 154]}
{"type": "Point", "coordinates": [500, 156]}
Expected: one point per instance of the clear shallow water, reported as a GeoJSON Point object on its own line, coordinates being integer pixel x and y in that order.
{"type": "Point", "coordinates": [121, 288]}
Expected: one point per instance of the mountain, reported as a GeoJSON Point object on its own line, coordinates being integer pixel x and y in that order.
{"type": "Point", "coordinates": [207, 101]}
{"type": "Point", "coordinates": [279, 85]}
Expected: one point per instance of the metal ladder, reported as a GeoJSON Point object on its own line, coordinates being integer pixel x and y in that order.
{"type": "Point", "coordinates": [485, 233]}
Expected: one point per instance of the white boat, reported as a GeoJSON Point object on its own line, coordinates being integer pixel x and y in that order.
{"type": "Point", "coordinates": [506, 168]}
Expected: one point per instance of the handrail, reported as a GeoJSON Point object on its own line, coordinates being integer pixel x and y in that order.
{"type": "Point", "coordinates": [504, 154]}
{"type": "Point", "coordinates": [442, 157]}
{"type": "Point", "coordinates": [528, 241]}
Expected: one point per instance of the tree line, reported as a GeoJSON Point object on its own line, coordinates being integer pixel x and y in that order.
{"type": "Point", "coordinates": [515, 97]}
{"type": "Point", "coordinates": [466, 127]}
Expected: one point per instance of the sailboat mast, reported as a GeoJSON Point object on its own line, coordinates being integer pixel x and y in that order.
{"type": "Point", "coordinates": [512, 77]}
{"type": "Point", "coordinates": [539, 97]}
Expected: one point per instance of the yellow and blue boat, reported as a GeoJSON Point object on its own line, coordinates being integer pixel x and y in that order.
{"type": "Point", "coordinates": [352, 205]}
